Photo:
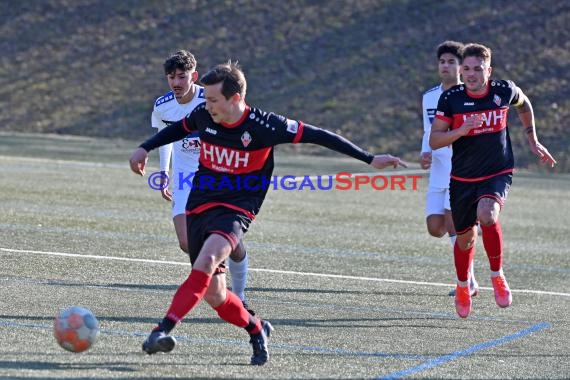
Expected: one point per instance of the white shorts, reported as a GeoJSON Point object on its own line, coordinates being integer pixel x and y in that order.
{"type": "Point", "coordinates": [437, 201]}
{"type": "Point", "coordinates": [179, 199]}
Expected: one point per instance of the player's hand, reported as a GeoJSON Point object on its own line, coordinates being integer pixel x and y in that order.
{"type": "Point", "coordinates": [138, 161]}
{"type": "Point", "coordinates": [166, 194]}
{"type": "Point", "coordinates": [382, 161]}
{"type": "Point", "coordinates": [425, 160]}
{"type": "Point", "coordinates": [542, 153]}
{"type": "Point", "coordinates": [472, 122]}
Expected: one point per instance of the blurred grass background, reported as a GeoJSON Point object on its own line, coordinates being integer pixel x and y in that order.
{"type": "Point", "coordinates": [358, 67]}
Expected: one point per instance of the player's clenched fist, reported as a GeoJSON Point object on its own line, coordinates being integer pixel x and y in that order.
{"type": "Point", "coordinates": [138, 161]}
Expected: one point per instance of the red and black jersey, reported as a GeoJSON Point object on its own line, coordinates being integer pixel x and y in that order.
{"type": "Point", "coordinates": [486, 151]}
{"type": "Point", "coordinates": [236, 161]}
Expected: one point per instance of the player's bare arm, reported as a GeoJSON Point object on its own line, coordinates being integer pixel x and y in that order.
{"type": "Point", "coordinates": [526, 116]}
{"type": "Point", "coordinates": [442, 136]}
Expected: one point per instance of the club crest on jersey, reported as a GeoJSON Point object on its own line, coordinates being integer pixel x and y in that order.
{"type": "Point", "coordinates": [497, 100]}
{"type": "Point", "coordinates": [292, 126]}
{"type": "Point", "coordinates": [245, 139]}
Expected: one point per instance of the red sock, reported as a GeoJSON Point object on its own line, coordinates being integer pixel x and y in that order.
{"type": "Point", "coordinates": [462, 261]}
{"type": "Point", "coordinates": [188, 295]}
{"type": "Point", "coordinates": [232, 311]}
{"type": "Point", "coordinates": [493, 243]}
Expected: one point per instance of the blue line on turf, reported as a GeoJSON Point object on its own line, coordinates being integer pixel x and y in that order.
{"type": "Point", "coordinates": [468, 351]}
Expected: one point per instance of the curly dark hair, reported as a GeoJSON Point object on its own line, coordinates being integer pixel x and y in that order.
{"type": "Point", "coordinates": [452, 47]}
{"type": "Point", "coordinates": [182, 59]}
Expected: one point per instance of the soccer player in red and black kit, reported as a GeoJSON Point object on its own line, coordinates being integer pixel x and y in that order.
{"type": "Point", "coordinates": [473, 117]}
{"type": "Point", "coordinates": [235, 171]}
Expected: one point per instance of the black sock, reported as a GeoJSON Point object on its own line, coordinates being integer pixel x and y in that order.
{"type": "Point", "coordinates": [166, 325]}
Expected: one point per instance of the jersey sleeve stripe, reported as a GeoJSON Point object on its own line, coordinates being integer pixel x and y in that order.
{"type": "Point", "coordinates": [185, 126]}
{"type": "Point", "coordinates": [444, 118]}
{"type": "Point", "coordinates": [299, 133]}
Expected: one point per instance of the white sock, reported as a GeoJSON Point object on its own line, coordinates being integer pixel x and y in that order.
{"type": "Point", "coordinates": [497, 273]}
{"type": "Point", "coordinates": [463, 284]}
{"type": "Point", "coordinates": [452, 238]}
{"type": "Point", "coordinates": [472, 273]}
{"type": "Point", "coordinates": [238, 272]}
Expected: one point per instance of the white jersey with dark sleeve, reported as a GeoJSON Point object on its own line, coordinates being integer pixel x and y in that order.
{"type": "Point", "coordinates": [185, 152]}
{"type": "Point", "coordinates": [440, 158]}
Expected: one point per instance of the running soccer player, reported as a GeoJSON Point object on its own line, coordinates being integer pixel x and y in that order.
{"type": "Point", "coordinates": [183, 97]}
{"type": "Point", "coordinates": [438, 161]}
{"type": "Point", "coordinates": [237, 145]}
{"type": "Point", "coordinates": [473, 117]}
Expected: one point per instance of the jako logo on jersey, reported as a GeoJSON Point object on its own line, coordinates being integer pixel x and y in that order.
{"type": "Point", "coordinates": [245, 138]}
{"type": "Point", "coordinates": [469, 103]}
{"type": "Point", "coordinates": [211, 131]}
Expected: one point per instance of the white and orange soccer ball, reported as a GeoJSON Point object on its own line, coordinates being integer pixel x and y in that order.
{"type": "Point", "coordinates": [76, 329]}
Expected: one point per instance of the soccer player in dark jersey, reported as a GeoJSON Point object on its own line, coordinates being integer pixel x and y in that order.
{"type": "Point", "coordinates": [234, 173]}
{"type": "Point", "coordinates": [473, 117]}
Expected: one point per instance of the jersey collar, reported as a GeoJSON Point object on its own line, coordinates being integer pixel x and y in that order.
{"type": "Point", "coordinates": [472, 95]}
{"type": "Point", "coordinates": [241, 119]}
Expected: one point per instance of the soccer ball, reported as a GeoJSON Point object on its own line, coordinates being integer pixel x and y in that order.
{"type": "Point", "coordinates": [76, 329]}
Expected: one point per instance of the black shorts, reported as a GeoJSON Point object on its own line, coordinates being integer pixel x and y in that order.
{"type": "Point", "coordinates": [219, 220]}
{"type": "Point", "coordinates": [464, 197]}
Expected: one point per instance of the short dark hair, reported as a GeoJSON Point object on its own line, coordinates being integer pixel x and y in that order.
{"type": "Point", "coordinates": [479, 51]}
{"type": "Point", "coordinates": [452, 47]}
{"type": "Point", "coordinates": [182, 60]}
{"type": "Point", "coordinates": [231, 76]}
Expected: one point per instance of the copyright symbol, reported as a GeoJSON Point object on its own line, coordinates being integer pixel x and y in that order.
{"type": "Point", "coordinates": [158, 180]}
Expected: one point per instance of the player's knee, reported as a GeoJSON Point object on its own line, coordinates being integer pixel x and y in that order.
{"type": "Point", "coordinates": [435, 229]}
{"type": "Point", "coordinates": [436, 232]}
{"type": "Point", "coordinates": [206, 262]}
{"type": "Point", "coordinates": [487, 218]}
{"type": "Point", "coordinates": [466, 241]}
{"type": "Point", "coordinates": [488, 211]}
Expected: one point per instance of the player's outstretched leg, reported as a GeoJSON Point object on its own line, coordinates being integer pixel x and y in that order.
{"type": "Point", "coordinates": [158, 341]}
{"type": "Point", "coordinates": [259, 344]}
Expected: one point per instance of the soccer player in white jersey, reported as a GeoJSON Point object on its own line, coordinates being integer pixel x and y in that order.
{"type": "Point", "coordinates": [438, 210]}
{"type": "Point", "coordinates": [185, 95]}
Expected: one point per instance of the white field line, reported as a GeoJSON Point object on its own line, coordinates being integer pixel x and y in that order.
{"type": "Point", "coordinates": [97, 257]}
